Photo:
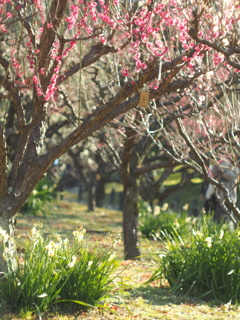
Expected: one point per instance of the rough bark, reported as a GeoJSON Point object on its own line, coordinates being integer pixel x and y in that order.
{"type": "Point", "coordinates": [3, 165]}
{"type": "Point", "coordinates": [7, 246]}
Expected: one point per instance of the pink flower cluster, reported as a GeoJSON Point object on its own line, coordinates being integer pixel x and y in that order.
{"type": "Point", "coordinates": [149, 30]}
{"type": "Point", "coordinates": [217, 58]}
{"type": "Point", "coordinates": [36, 82]}
{"type": "Point", "coordinates": [140, 65]}
{"type": "Point", "coordinates": [125, 71]}
{"type": "Point", "coordinates": [93, 11]}
{"type": "Point", "coordinates": [52, 88]}
{"type": "Point", "coordinates": [73, 17]}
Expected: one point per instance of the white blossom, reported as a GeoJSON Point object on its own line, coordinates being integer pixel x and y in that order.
{"type": "Point", "coordinates": [73, 262]}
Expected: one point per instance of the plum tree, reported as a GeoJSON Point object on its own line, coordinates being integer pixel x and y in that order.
{"type": "Point", "coordinates": [159, 48]}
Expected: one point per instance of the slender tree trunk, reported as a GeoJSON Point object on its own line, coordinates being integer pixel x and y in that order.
{"type": "Point", "coordinates": [130, 221]}
{"type": "Point", "coordinates": [100, 192]}
{"type": "Point", "coordinates": [91, 196]}
{"type": "Point", "coordinates": [130, 197]}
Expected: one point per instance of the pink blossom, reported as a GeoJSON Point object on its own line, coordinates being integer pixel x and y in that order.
{"type": "Point", "coordinates": [50, 92]}
{"type": "Point", "coordinates": [73, 17]}
{"type": "Point", "coordinates": [140, 65]}
{"type": "Point", "coordinates": [39, 91]}
{"type": "Point", "coordinates": [217, 58]}
{"type": "Point", "coordinates": [102, 39]}
{"type": "Point", "coordinates": [55, 49]}
{"type": "Point", "coordinates": [35, 79]}
{"type": "Point", "coordinates": [52, 86]}
{"type": "Point", "coordinates": [37, 86]}
{"type": "Point", "coordinates": [65, 53]}
{"type": "Point", "coordinates": [93, 12]}
{"type": "Point", "coordinates": [159, 8]}
{"type": "Point", "coordinates": [190, 65]}
{"type": "Point", "coordinates": [144, 37]}
{"type": "Point", "coordinates": [154, 84]}
{"type": "Point", "coordinates": [105, 17]}
{"type": "Point", "coordinates": [137, 55]}
{"type": "Point", "coordinates": [3, 29]}
{"type": "Point", "coordinates": [185, 58]}
{"type": "Point", "coordinates": [125, 72]}
{"type": "Point", "coordinates": [15, 64]}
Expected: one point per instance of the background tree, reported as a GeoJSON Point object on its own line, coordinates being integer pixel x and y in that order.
{"type": "Point", "coordinates": [93, 170]}
{"type": "Point", "coordinates": [136, 157]}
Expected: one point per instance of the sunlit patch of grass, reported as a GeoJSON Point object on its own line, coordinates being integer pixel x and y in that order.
{"type": "Point", "coordinates": [118, 187]}
{"type": "Point", "coordinates": [173, 179]}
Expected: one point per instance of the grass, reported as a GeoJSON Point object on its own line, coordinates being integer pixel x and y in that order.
{"type": "Point", "coordinates": [137, 301]}
{"type": "Point", "coordinates": [203, 263]}
{"type": "Point", "coordinates": [58, 274]}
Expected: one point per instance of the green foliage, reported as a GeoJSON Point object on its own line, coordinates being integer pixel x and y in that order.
{"type": "Point", "coordinates": [58, 273]}
{"type": "Point", "coordinates": [164, 223]}
{"type": "Point", "coordinates": [206, 265]}
{"type": "Point", "coordinates": [42, 196]}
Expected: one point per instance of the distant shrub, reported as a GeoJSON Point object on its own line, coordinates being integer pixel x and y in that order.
{"type": "Point", "coordinates": [206, 265]}
{"type": "Point", "coordinates": [164, 223]}
{"type": "Point", "coordinates": [57, 273]}
{"type": "Point", "coordinates": [40, 199]}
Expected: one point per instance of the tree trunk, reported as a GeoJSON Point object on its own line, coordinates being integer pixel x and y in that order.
{"type": "Point", "coordinates": [91, 195]}
{"type": "Point", "coordinates": [100, 192]}
{"type": "Point", "coordinates": [130, 222]}
{"type": "Point", "coordinates": [7, 245]}
{"type": "Point", "coordinates": [130, 197]}
{"type": "Point", "coordinates": [80, 191]}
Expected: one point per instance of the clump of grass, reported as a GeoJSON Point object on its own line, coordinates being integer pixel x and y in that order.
{"type": "Point", "coordinates": [42, 197]}
{"type": "Point", "coordinates": [206, 265]}
{"type": "Point", "coordinates": [56, 273]}
{"type": "Point", "coordinates": [164, 223]}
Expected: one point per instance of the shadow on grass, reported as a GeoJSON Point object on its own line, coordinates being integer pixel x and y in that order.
{"type": "Point", "coordinates": [163, 296]}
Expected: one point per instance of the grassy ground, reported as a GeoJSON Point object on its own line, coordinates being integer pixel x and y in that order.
{"type": "Point", "coordinates": [136, 301]}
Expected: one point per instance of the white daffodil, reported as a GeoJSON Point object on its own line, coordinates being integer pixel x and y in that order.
{"type": "Point", "coordinates": [4, 235]}
{"type": "Point", "coordinates": [221, 234]}
{"type": "Point", "coordinates": [52, 247]}
{"type": "Point", "coordinates": [209, 242]}
{"type": "Point", "coordinates": [79, 234]}
{"type": "Point", "coordinates": [73, 262]}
